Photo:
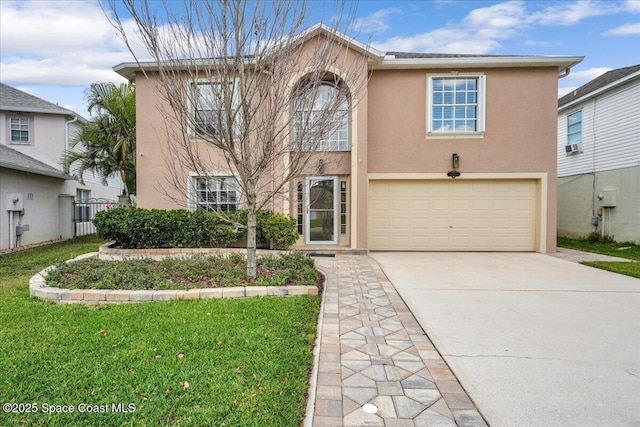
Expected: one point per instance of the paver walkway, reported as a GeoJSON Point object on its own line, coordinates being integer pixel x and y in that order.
{"type": "Point", "coordinates": [374, 352]}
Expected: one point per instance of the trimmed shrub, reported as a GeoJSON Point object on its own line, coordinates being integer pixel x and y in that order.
{"type": "Point", "coordinates": [133, 228]}
{"type": "Point", "coordinates": [281, 230]}
{"type": "Point", "coordinates": [277, 230]}
{"type": "Point", "coordinates": [143, 228]}
{"type": "Point", "coordinates": [262, 217]}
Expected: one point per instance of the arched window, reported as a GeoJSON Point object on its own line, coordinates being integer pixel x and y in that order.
{"type": "Point", "coordinates": [321, 118]}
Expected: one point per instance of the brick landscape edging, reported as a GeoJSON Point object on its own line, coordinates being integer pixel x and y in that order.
{"type": "Point", "coordinates": [38, 288]}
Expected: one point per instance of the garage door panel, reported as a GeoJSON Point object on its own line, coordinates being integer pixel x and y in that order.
{"type": "Point", "coordinates": [452, 215]}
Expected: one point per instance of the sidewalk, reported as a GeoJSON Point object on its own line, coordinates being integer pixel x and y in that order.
{"type": "Point", "coordinates": [579, 256]}
{"type": "Point", "coordinates": [376, 365]}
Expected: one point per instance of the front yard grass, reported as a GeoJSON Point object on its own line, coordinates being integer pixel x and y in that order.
{"type": "Point", "coordinates": [180, 363]}
{"type": "Point", "coordinates": [621, 250]}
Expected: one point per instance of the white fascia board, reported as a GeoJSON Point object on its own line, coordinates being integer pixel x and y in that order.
{"type": "Point", "coordinates": [10, 108]}
{"type": "Point", "coordinates": [600, 91]}
{"type": "Point", "coordinates": [128, 69]}
{"type": "Point", "coordinates": [562, 62]}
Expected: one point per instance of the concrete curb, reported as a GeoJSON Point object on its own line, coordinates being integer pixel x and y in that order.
{"type": "Point", "coordinates": [313, 379]}
{"type": "Point", "coordinates": [38, 288]}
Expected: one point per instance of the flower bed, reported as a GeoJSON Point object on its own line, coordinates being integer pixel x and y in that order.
{"type": "Point", "coordinates": [275, 279]}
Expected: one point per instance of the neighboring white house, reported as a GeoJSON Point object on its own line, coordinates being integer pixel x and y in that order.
{"type": "Point", "coordinates": [36, 196]}
{"type": "Point", "coordinates": [599, 157]}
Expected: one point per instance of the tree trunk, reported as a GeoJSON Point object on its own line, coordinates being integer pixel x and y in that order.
{"type": "Point", "coordinates": [251, 244]}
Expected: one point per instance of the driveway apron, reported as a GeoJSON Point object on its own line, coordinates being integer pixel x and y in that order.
{"type": "Point", "coordinates": [534, 340]}
{"type": "Point", "coordinates": [376, 366]}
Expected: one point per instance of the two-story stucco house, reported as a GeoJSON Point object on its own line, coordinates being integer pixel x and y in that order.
{"type": "Point", "coordinates": [36, 196]}
{"type": "Point", "coordinates": [599, 157]}
{"type": "Point", "coordinates": [441, 152]}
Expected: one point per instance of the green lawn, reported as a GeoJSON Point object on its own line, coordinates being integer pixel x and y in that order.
{"type": "Point", "coordinates": [177, 363]}
{"type": "Point", "coordinates": [621, 250]}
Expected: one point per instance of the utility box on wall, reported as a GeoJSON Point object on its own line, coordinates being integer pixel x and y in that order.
{"type": "Point", "coordinates": [13, 202]}
{"type": "Point", "coordinates": [607, 198]}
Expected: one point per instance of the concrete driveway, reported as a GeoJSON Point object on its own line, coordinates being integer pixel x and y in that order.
{"type": "Point", "coordinates": [535, 340]}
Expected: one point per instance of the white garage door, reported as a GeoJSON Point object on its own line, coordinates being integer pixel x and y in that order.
{"type": "Point", "coordinates": [452, 215]}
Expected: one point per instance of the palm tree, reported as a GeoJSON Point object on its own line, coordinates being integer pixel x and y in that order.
{"type": "Point", "coordinates": [106, 145]}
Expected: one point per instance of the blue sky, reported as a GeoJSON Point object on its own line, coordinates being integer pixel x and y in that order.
{"type": "Point", "coordinates": [56, 49]}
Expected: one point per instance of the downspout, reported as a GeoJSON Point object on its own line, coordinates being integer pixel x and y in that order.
{"type": "Point", "coordinates": [564, 74]}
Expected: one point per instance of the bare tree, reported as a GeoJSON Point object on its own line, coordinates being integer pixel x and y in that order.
{"type": "Point", "coordinates": [245, 89]}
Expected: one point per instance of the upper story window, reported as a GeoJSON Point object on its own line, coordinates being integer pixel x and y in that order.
{"type": "Point", "coordinates": [456, 105]}
{"type": "Point", "coordinates": [321, 118]}
{"type": "Point", "coordinates": [215, 193]}
{"type": "Point", "coordinates": [20, 129]}
{"type": "Point", "coordinates": [215, 106]}
{"type": "Point", "coordinates": [574, 133]}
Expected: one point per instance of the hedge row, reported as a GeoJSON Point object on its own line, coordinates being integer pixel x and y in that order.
{"type": "Point", "coordinates": [178, 228]}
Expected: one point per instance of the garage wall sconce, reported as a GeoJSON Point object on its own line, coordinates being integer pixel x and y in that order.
{"type": "Point", "coordinates": [455, 160]}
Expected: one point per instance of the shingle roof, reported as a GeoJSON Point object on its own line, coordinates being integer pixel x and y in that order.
{"type": "Point", "coordinates": [12, 99]}
{"type": "Point", "coordinates": [597, 83]}
{"type": "Point", "coordinates": [12, 159]}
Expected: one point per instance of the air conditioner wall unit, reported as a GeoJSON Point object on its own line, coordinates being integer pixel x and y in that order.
{"type": "Point", "coordinates": [573, 148]}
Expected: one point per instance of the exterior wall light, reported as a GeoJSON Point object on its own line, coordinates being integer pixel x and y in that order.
{"type": "Point", "coordinates": [455, 160]}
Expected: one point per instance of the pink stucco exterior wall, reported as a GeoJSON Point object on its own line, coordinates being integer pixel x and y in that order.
{"type": "Point", "coordinates": [520, 130]}
{"type": "Point", "coordinates": [389, 135]}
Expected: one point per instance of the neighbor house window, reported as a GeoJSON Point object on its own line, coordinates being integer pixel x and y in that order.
{"type": "Point", "coordinates": [321, 118]}
{"type": "Point", "coordinates": [215, 194]}
{"type": "Point", "coordinates": [456, 105]}
{"type": "Point", "coordinates": [215, 107]}
{"type": "Point", "coordinates": [574, 133]}
{"type": "Point", "coordinates": [20, 129]}
{"type": "Point", "coordinates": [83, 209]}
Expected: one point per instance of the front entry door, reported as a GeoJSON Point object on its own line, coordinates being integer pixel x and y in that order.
{"type": "Point", "coordinates": [321, 201]}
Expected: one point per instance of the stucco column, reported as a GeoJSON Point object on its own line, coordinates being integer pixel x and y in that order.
{"type": "Point", "coordinates": [65, 216]}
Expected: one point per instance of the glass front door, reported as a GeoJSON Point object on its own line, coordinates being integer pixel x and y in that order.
{"type": "Point", "coordinates": [321, 202]}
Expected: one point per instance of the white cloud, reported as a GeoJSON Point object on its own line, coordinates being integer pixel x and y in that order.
{"type": "Point", "coordinates": [566, 14]}
{"type": "Point", "coordinates": [624, 30]}
{"type": "Point", "coordinates": [376, 22]}
{"type": "Point", "coordinates": [484, 29]}
{"type": "Point", "coordinates": [632, 5]}
{"type": "Point", "coordinates": [69, 43]}
{"type": "Point", "coordinates": [479, 32]}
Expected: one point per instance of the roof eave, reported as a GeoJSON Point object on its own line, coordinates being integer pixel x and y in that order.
{"type": "Point", "coordinates": [59, 175]}
{"type": "Point", "coordinates": [61, 112]}
{"type": "Point", "coordinates": [599, 91]}
{"type": "Point", "coordinates": [128, 69]}
{"type": "Point", "coordinates": [561, 62]}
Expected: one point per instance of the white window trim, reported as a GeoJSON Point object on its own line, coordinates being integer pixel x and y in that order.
{"type": "Point", "coordinates": [348, 114]}
{"type": "Point", "coordinates": [192, 205]}
{"type": "Point", "coordinates": [30, 122]}
{"type": "Point", "coordinates": [191, 132]}
{"type": "Point", "coordinates": [576, 147]}
{"type": "Point", "coordinates": [481, 106]}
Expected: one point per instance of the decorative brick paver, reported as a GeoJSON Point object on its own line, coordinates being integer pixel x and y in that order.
{"type": "Point", "coordinates": [373, 351]}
